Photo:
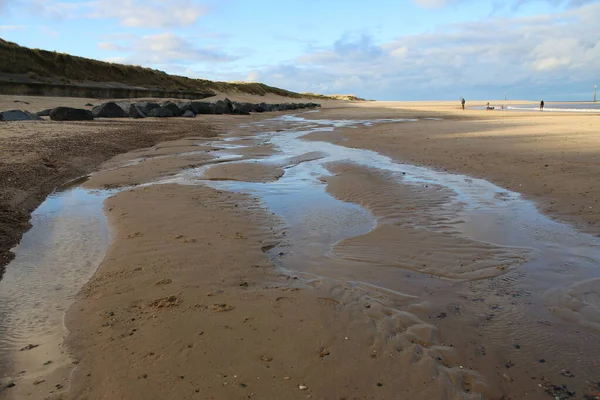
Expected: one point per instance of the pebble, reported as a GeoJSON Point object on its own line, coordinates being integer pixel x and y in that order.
{"type": "Point", "coordinates": [287, 378]}
{"type": "Point", "coordinates": [302, 387]}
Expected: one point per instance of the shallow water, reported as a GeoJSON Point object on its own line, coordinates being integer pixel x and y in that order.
{"type": "Point", "coordinates": [534, 272]}
{"type": "Point", "coordinates": [477, 208]}
{"type": "Point", "coordinates": [557, 266]}
{"type": "Point", "coordinates": [55, 258]}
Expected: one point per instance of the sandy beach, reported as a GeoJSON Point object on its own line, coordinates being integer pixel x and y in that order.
{"type": "Point", "coordinates": [365, 250]}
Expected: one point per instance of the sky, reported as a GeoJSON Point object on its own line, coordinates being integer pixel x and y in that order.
{"type": "Point", "coordinates": [377, 49]}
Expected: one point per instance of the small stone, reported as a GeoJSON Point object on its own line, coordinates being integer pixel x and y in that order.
{"type": "Point", "coordinates": [517, 346]}
{"type": "Point", "coordinates": [38, 381]}
{"type": "Point", "coordinates": [567, 373]}
{"type": "Point", "coordinates": [48, 362]}
{"type": "Point", "coordinates": [379, 384]}
{"type": "Point", "coordinates": [11, 384]}
{"type": "Point", "coordinates": [541, 360]}
{"type": "Point", "coordinates": [29, 347]}
{"type": "Point", "coordinates": [302, 387]}
{"type": "Point", "coordinates": [287, 378]}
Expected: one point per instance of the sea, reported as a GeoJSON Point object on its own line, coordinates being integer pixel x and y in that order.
{"type": "Point", "coordinates": [581, 107]}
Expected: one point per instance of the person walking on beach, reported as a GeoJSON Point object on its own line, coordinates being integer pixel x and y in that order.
{"type": "Point", "coordinates": [542, 105]}
{"type": "Point", "coordinates": [462, 102]}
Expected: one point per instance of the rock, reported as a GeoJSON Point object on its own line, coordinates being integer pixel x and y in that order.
{"type": "Point", "coordinates": [71, 114]}
{"type": "Point", "coordinates": [147, 106]}
{"type": "Point", "coordinates": [124, 106]}
{"type": "Point", "coordinates": [29, 347]}
{"type": "Point", "coordinates": [166, 302]}
{"type": "Point", "coordinates": [44, 113]}
{"type": "Point", "coordinates": [135, 112]}
{"type": "Point", "coordinates": [202, 107]}
{"type": "Point", "coordinates": [165, 281]}
{"type": "Point", "coordinates": [18, 115]}
{"type": "Point", "coordinates": [222, 307]}
{"type": "Point", "coordinates": [184, 106]}
{"type": "Point", "coordinates": [173, 107]}
{"type": "Point", "coordinates": [188, 114]}
{"type": "Point", "coordinates": [109, 110]}
{"type": "Point", "coordinates": [302, 387]}
{"type": "Point", "coordinates": [89, 105]}
{"type": "Point", "coordinates": [160, 113]}
{"type": "Point", "coordinates": [241, 108]}
{"type": "Point", "coordinates": [258, 108]}
{"type": "Point", "coordinates": [10, 384]}
{"type": "Point", "coordinates": [229, 104]}
{"type": "Point", "coordinates": [221, 107]}
{"type": "Point", "coordinates": [567, 373]}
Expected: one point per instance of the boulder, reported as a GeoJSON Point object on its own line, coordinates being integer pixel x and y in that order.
{"type": "Point", "coordinates": [221, 107]}
{"type": "Point", "coordinates": [173, 107]}
{"type": "Point", "coordinates": [262, 106]}
{"type": "Point", "coordinates": [18, 115]}
{"type": "Point", "coordinates": [135, 112]}
{"type": "Point", "coordinates": [184, 106]}
{"type": "Point", "coordinates": [188, 114]}
{"type": "Point", "coordinates": [258, 109]}
{"type": "Point", "coordinates": [241, 108]}
{"type": "Point", "coordinates": [161, 112]}
{"type": "Point", "coordinates": [109, 110]}
{"type": "Point", "coordinates": [70, 114]}
{"type": "Point", "coordinates": [198, 107]}
{"type": "Point", "coordinates": [44, 113]}
{"type": "Point", "coordinates": [147, 106]}
{"type": "Point", "coordinates": [229, 105]}
{"type": "Point", "coordinates": [204, 107]}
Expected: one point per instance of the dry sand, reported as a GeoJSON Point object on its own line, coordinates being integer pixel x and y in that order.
{"type": "Point", "coordinates": [186, 303]}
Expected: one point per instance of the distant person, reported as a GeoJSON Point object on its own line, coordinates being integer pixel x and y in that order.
{"type": "Point", "coordinates": [488, 105]}
{"type": "Point", "coordinates": [462, 102]}
{"type": "Point", "coordinates": [542, 105]}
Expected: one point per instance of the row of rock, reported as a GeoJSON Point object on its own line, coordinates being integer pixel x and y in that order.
{"type": "Point", "coordinates": [151, 109]}
{"type": "Point", "coordinates": [167, 109]}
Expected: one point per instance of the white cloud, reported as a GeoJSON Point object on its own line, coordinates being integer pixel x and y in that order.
{"type": "Point", "coordinates": [6, 28]}
{"type": "Point", "coordinates": [513, 4]}
{"type": "Point", "coordinates": [56, 10]}
{"type": "Point", "coordinates": [559, 51]}
{"type": "Point", "coordinates": [433, 3]}
{"type": "Point", "coordinates": [148, 13]}
{"type": "Point", "coordinates": [253, 76]}
{"type": "Point", "coordinates": [161, 49]}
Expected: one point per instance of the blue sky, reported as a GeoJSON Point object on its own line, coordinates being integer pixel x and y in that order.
{"type": "Point", "coordinates": [379, 49]}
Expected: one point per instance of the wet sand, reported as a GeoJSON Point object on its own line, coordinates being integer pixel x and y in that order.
{"type": "Point", "coordinates": [277, 270]}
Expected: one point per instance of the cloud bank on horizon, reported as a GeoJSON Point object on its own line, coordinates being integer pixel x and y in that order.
{"type": "Point", "coordinates": [386, 50]}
